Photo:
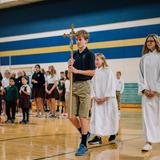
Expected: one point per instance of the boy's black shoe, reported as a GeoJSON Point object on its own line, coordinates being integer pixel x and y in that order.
{"type": "Point", "coordinates": [95, 140]}
{"type": "Point", "coordinates": [112, 139]}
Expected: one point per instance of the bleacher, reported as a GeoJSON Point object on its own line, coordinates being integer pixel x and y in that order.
{"type": "Point", "coordinates": [130, 97]}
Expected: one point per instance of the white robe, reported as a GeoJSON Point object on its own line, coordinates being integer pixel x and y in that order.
{"type": "Point", "coordinates": [149, 78]}
{"type": "Point", "coordinates": [104, 117]}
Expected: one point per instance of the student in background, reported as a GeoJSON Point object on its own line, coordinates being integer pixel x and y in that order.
{"type": "Point", "coordinates": [67, 91]}
{"type": "Point", "coordinates": [149, 88]}
{"type": "Point", "coordinates": [1, 97]}
{"type": "Point", "coordinates": [38, 82]}
{"type": "Point", "coordinates": [5, 80]}
{"type": "Point", "coordinates": [104, 113]}
{"type": "Point", "coordinates": [19, 80]}
{"type": "Point", "coordinates": [119, 88]}
{"type": "Point", "coordinates": [61, 90]}
{"type": "Point", "coordinates": [13, 75]}
{"type": "Point", "coordinates": [18, 85]}
{"type": "Point", "coordinates": [25, 103]}
{"type": "Point", "coordinates": [5, 83]}
{"type": "Point", "coordinates": [51, 90]}
{"type": "Point", "coordinates": [1, 77]}
{"type": "Point", "coordinates": [11, 96]}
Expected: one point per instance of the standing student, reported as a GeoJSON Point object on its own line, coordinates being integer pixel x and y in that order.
{"type": "Point", "coordinates": [67, 91]}
{"type": "Point", "coordinates": [25, 103]}
{"type": "Point", "coordinates": [11, 97]}
{"type": "Point", "coordinates": [149, 87]}
{"type": "Point", "coordinates": [61, 91]}
{"type": "Point", "coordinates": [51, 90]}
{"type": "Point", "coordinates": [5, 80]}
{"type": "Point", "coordinates": [18, 85]}
{"type": "Point", "coordinates": [5, 83]}
{"type": "Point", "coordinates": [1, 97]}
{"type": "Point", "coordinates": [1, 77]}
{"type": "Point", "coordinates": [83, 68]}
{"type": "Point", "coordinates": [104, 113]}
{"type": "Point", "coordinates": [119, 88]}
{"type": "Point", "coordinates": [38, 82]}
{"type": "Point", "coordinates": [19, 80]}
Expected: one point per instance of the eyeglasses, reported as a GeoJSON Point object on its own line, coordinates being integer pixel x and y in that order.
{"type": "Point", "coordinates": [78, 39]}
{"type": "Point", "coordinates": [150, 41]}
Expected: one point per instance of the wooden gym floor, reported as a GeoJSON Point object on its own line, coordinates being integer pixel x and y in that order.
{"type": "Point", "coordinates": [57, 139]}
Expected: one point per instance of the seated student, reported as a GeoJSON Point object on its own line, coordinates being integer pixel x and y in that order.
{"type": "Point", "coordinates": [11, 96]}
{"type": "Point", "coordinates": [25, 103]}
{"type": "Point", "coordinates": [104, 113]}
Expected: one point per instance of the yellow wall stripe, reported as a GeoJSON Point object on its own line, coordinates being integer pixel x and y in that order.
{"type": "Point", "coordinates": [95, 45]}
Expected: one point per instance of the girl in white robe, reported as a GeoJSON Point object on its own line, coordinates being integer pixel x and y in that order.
{"type": "Point", "coordinates": [104, 112]}
{"type": "Point", "coordinates": [149, 87]}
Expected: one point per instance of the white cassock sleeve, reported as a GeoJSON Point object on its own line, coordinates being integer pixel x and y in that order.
{"type": "Point", "coordinates": [92, 87]}
{"type": "Point", "coordinates": [110, 83]}
{"type": "Point", "coordinates": [122, 87]}
{"type": "Point", "coordinates": [158, 81]}
{"type": "Point", "coordinates": [141, 83]}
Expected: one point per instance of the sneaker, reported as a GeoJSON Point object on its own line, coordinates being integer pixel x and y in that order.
{"type": "Point", "coordinates": [95, 140]}
{"type": "Point", "coordinates": [53, 115]}
{"type": "Point", "coordinates": [112, 139]}
{"type": "Point", "coordinates": [81, 151]}
{"type": "Point", "coordinates": [147, 147]}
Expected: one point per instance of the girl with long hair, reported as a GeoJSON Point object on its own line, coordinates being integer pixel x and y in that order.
{"type": "Point", "coordinates": [149, 88]}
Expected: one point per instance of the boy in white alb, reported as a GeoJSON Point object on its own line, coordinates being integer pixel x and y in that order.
{"type": "Point", "coordinates": [119, 88]}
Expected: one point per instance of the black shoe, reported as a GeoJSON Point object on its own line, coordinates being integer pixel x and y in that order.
{"type": "Point", "coordinates": [8, 121]}
{"type": "Point", "coordinates": [22, 122]}
{"type": "Point", "coordinates": [112, 139]}
{"type": "Point", "coordinates": [95, 140]}
{"type": "Point", "coordinates": [27, 121]}
{"type": "Point", "coordinates": [12, 121]}
{"type": "Point", "coordinates": [57, 109]}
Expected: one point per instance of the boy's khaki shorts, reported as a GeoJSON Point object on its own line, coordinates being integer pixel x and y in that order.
{"type": "Point", "coordinates": [81, 98]}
